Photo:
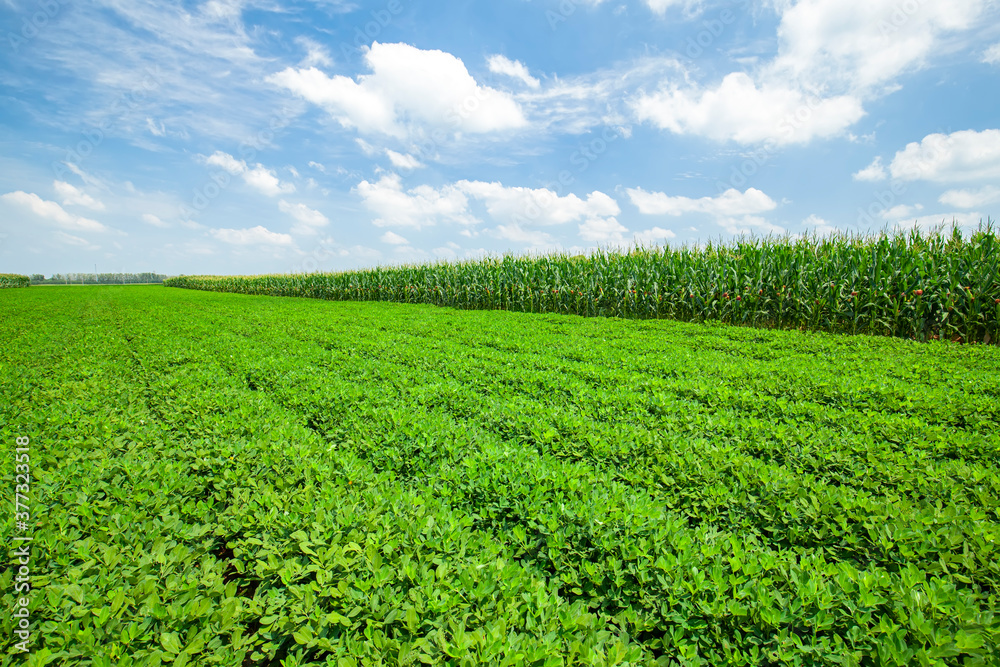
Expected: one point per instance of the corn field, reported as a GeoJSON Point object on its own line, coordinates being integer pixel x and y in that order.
{"type": "Point", "coordinates": [918, 285]}
{"type": "Point", "coordinates": [14, 280]}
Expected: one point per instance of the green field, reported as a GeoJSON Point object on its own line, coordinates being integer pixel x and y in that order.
{"type": "Point", "coordinates": [915, 285]}
{"type": "Point", "coordinates": [222, 479]}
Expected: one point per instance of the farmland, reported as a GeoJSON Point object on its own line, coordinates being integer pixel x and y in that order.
{"type": "Point", "coordinates": [916, 285]}
{"type": "Point", "coordinates": [226, 479]}
{"type": "Point", "coordinates": [8, 280]}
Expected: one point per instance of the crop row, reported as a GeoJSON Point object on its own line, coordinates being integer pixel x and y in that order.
{"type": "Point", "coordinates": [916, 285]}
{"type": "Point", "coordinates": [14, 280]}
{"type": "Point", "coordinates": [227, 480]}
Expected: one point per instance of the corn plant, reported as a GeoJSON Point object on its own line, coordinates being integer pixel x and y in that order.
{"type": "Point", "coordinates": [14, 280]}
{"type": "Point", "coordinates": [917, 285]}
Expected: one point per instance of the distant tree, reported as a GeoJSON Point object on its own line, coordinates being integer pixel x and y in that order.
{"type": "Point", "coordinates": [37, 278]}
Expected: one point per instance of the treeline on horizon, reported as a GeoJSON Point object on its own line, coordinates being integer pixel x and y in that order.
{"type": "Point", "coordinates": [97, 278]}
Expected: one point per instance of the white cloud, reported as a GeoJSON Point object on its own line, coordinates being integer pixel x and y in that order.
{"type": "Point", "coordinates": [873, 172]}
{"type": "Point", "coordinates": [966, 155]}
{"type": "Point", "coordinates": [539, 206]}
{"type": "Point", "coordinates": [532, 238]}
{"type": "Point", "coordinates": [499, 64]}
{"type": "Point", "coordinates": [401, 161]}
{"type": "Point", "coordinates": [254, 236]}
{"type": "Point", "coordinates": [393, 238]}
{"type": "Point", "coordinates": [901, 211]}
{"type": "Point", "coordinates": [408, 87]}
{"type": "Point", "coordinates": [653, 236]}
{"type": "Point", "coordinates": [749, 224]}
{"type": "Point", "coordinates": [991, 56]}
{"type": "Point", "coordinates": [157, 130]}
{"type": "Point", "coordinates": [227, 162]}
{"type": "Point", "coordinates": [265, 181]}
{"type": "Point", "coordinates": [832, 56]}
{"type": "Point", "coordinates": [318, 166]}
{"type": "Point", "coordinates": [50, 210]}
{"type": "Point", "coordinates": [603, 231]}
{"type": "Point", "coordinates": [260, 178]}
{"type": "Point", "coordinates": [740, 110]}
{"type": "Point", "coordinates": [153, 220]}
{"type": "Point", "coordinates": [517, 209]}
{"type": "Point", "coordinates": [316, 53]}
{"type": "Point", "coordinates": [821, 227]}
{"type": "Point", "coordinates": [863, 44]}
{"type": "Point", "coordinates": [72, 195]}
{"type": "Point", "coordinates": [422, 206]}
{"type": "Point", "coordinates": [309, 220]}
{"type": "Point", "coordinates": [730, 203]}
{"type": "Point", "coordinates": [661, 6]}
{"type": "Point", "coordinates": [971, 198]}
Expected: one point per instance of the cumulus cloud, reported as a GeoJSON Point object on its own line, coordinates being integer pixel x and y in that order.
{"type": "Point", "coordinates": [266, 181]}
{"type": "Point", "coordinates": [519, 211]}
{"type": "Point", "coordinates": [653, 236]}
{"type": "Point", "coordinates": [603, 231]}
{"type": "Point", "coordinates": [227, 162]}
{"type": "Point", "coordinates": [407, 87]}
{"type": "Point", "coordinates": [971, 198]}
{"type": "Point", "coordinates": [254, 236]}
{"type": "Point", "coordinates": [72, 195]}
{"type": "Point", "coordinates": [539, 206]}
{"type": "Point", "coordinates": [392, 238]}
{"type": "Point", "coordinates": [901, 211]}
{"type": "Point", "coordinates": [740, 110]}
{"type": "Point", "coordinates": [260, 178]}
{"type": "Point", "coordinates": [733, 210]}
{"type": "Point", "coordinates": [308, 220]}
{"type": "Point", "coordinates": [832, 56]}
{"type": "Point", "coordinates": [730, 203]}
{"type": "Point", "coordinates": [51, 211]}
{"type": "Point", "coordinates": [515, 69]}
{"type": "Point", "coordinates": [421, 206]}
{"type": "Point", "coordinates": [966, 155]}
{"type": "Point", "coordinates": [873, 172]}
{"type": "Point", "coordinates": [862, 45]}
{"type": "Point", "coordinates": [532, 238]}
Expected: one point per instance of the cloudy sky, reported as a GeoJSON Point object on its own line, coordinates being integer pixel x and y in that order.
{"type": "Point", "coordinates": [259, 136]}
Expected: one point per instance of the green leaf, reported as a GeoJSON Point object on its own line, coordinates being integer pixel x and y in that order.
{"type": "Point", "coordinates": [170, 642]}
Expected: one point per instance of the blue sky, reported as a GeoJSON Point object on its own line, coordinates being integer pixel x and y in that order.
{"type": "Point", "coordinates": [258, 136]}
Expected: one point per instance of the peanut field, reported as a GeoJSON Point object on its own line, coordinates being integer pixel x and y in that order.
{"type": "Point", "coordinates": [229, 479]}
